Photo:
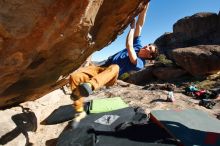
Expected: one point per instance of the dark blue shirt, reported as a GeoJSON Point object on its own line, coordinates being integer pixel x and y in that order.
{"type": "Point", "coordinates": [122, 59]}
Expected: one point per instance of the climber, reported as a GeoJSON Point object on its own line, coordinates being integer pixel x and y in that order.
{"type": "Point", "coordinates": [87, 79]}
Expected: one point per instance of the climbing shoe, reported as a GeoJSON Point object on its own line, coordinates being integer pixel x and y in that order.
{"type": "Point", "coordinates": [85, 89]}
{"type": "Point", "coordinates": [77, 118]}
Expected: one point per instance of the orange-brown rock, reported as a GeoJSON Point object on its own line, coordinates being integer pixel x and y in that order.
{"type": "Point", "coordinates": [43, 40]}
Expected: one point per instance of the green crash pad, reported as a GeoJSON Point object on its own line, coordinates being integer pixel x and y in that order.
{"type": "Point", "coordinates": [190, 127]}
{"type": "Point", "coordinates": [106, 105]}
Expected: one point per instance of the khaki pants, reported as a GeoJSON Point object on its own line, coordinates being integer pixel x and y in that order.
{"type": "Point", "coordinates": [96, 76]}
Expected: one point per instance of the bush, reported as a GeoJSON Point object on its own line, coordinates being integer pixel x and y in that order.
{"type": "Point", "coordinates": [163, 59]}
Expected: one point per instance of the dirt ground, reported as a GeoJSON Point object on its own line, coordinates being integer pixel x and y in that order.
{"type": "Point", "coordinates": [46, 107]}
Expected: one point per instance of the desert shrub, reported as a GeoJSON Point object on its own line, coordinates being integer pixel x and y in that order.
{"type": "Point", "coordinates": [163, 59]}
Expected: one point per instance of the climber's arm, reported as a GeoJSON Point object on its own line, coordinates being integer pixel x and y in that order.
{"type": "Point", "coordinates": [129, 44]}
{"type": "Point", "coordinates": [140, 21]}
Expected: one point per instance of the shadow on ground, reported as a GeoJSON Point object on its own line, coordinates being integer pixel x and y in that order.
{"type": "Point", "coordinates": [26, 121]}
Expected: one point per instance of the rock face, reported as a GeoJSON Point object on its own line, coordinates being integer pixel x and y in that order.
{"type": "Point", "coordinates": [201, 28]}
{"type": "Point", "coordinates": [200, 24]}
{"type": "Point", "coordinates": [168, 73]}
{"type": "Point", "coordinates": [142, 77]}
{"type": "Point", "coordinates": [155, 73]}
{"type": "Point", "coordinates": [41, 41]}
{"type": "Point", "coordinates": [198, 60]}
{"type": "Point", "coordinates": [194, 43]}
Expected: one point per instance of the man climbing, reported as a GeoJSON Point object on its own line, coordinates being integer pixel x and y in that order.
{"type": "Point", "coordinates": [84, 81]}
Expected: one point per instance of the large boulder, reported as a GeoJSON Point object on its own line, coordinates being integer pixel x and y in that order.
{"type": "Point", "coordinates": [168, 73]}
{"type": "Point", "coordinates": [201, 28]}
{"type": "Point", "coordinates": [43, 40]}
{"type": "Point", "coordinates": [198, 60]}
{"type": "Point", "coordinates": [219, 21]}
{"type": "Point", "coordinates": [155, 73]}
{"type": "Point", "coordinates": [200, 24]}
{"type": "Point", "coordinates": [142, 77]}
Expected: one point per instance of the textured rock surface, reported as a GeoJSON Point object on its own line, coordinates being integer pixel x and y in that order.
{"type": "Point", "coordinates": [154, 73]}
{"type": "Point", "coordinates": [168, 73]}
{"type": "Point", "coordinates": [142, 77]}
{"type": "Point", "coordinates": [201, 28]}
{"type": "Point", "coordinates": [41, 41]}
{"type": "Point", "coordinates": [197, 25]}
{"type": "Point", "coordinates": [194, 43]}
{"type": "Point", "coordinates": [198, 60]}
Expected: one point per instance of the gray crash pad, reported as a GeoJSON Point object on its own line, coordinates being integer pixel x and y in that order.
{"type": "Point", "coordinates": [190, 127]}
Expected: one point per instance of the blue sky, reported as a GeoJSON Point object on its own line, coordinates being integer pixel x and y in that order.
{"type": "Point", "coordinates": [161, 16]}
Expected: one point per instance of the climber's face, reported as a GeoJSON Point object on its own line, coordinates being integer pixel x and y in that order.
{"type": "Point", "coordinates": [147, 52]}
